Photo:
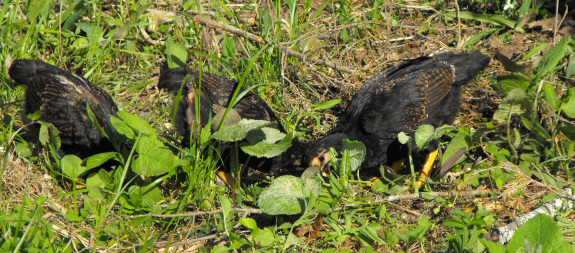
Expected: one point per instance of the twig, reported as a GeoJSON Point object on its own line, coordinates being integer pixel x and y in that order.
{"type": "Point", "coordinates": [468, 194]}
{"type": "Point", "coordinates": [243, 210]}
{"type": "Point", "coordinates": [555, 27]}
{"type": "Point", "coordinates": [458, 27]}
{"type": "Point", "coordinates": [405, 209]}
{"type": "Point", "coordinates": [182, 242]}
{"type": "Point", "coordinates": [415, 27]}
{"type": "Point", "coordinates": [5, 236]}
{"type": "Point", "coordinates": [425, 8]}
{"type": "Point", "coordinates": [207, 13]}
{"type": "Point", "coordinates": [161, 244]}
{"type": "Point", "coordinates": [229, 28]}
{"type": "Point", "coordinates": [148, 38]}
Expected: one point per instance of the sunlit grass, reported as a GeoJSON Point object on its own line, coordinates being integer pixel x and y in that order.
{"type": "Point", "coordinates": [120, 47]}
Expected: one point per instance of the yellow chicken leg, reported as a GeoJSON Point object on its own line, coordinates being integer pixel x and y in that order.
{"type": "Point", "coordinates": [227, 177]}
{"type": "Point", "coordinates": [397, 165]}
{"type": "Point", "coordinates": [426, 171]}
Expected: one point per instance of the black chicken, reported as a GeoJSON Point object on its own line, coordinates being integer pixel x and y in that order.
{"type": "Point", "coordinates": [425, 90]}
{"type": "Point", "coordinates": [216, 93]}
{"type": "Point", "coordinates": [61, 97]}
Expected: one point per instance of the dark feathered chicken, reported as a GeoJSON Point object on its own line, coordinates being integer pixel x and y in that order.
{"type": "Point", "coordinates": [216, 93]}
{"type": "Point", "coordinates": [425, 90]}
{"type": "Point", "coordinates": [61, 98]}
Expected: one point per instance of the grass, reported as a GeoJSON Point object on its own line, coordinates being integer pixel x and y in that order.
{"type": "Point", "coordinates": [516, 125]}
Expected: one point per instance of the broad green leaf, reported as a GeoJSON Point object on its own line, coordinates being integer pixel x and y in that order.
{"type": "Point", "coordinates": [290, 241]}
{"type": "Point", "coordinates": [232, 118]}
{"type": "Point", "coordinates": [550, 60]}
{"type": "Point", "coordinates": [122, 128]}
{"type": "Point", "coordinates": [34, 116]}
{"type": "Point", "coordinates": [312, 182]}
{"type": "Point", "coordinates": [423, 135]}
{"type": "Point", "coordinates": [516, 138]}
{"type": "Point", "coordinates": [550, 94]}
{"type": "Point", "coordinates": [506, 83]}
{"type": "Point", "coordinates": [205, 134]}
{"type": "Point", "coordinates": [23, 149]}
{"type": "Point", "coordinates": [356, 153]}
{"type": "Point", "coordinates": [80, 43]}
{"type": "Point", "coordinates": [344, 167]}
{"type": "Point", "coordinates": [325, 105]}
{"type": "Point", "coordinates": [99, 159]}
{"type": "Point", "coordinates": [569, 107]}
{"type": "Point", "coordinates": [154, 158]}
{"type": "Point", "coordinates": [403, 138]}
{"type": "Point", "coordinates": [264, 149]}
{"type": "Point", "coordinates": [135, 194]}
{"type": "Point", "coordinates": [226, 204]}
{"type": "Point", "coordinates": [493, 247]}
{"type": "Point", "coordinates": [177, 54]}
{"type": "Point", "coordinates": [49, 135]}
{"type": "Point", "coordinates": [284, 196]}
{"type": "Point", "coordinates": [535, 127]}
{"type": "Point", "coordinates": [491, 148]}
{"type": "Point", "coordinates": [145, 196]}
{"type": "Point", "coordinates": [240, 130]}
{"type": "Point", "coordinates": [220, 249]}
{"type": "Point", "coordinates": [249, 223]}
{"type": "Point", "coordinates": [266, 134]}
{"type": "Point", "coordinates": [94, 33]}
{"type": "Point", "coordinates": [37, 7]}
{"type": "Point", "coordinates": [540, 234]}
{"type": "Point", "coordinates": [264, 236]}
{"type": "Point", "coordinates": [100, 179]}
{"type": "Point", "coordinates": [461, 140]}
{"type": "Point", "coordinates": [515, 103]}
{"type": "Point", "coordinates": [569, 131]}
{"type": "Point", "coordinates": [570, 67]}
{"type": "Point", "coordinates": [137, 124]}
{"type": "Point", "coordinates": [72, 166]}
{"type": "Point", "coordinates": [96, 193]}
{"type": "Point", "coordinates": [372, 233]}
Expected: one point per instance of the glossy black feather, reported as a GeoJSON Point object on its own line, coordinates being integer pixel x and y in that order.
{"type": "Point", "coordinates": [425, 90]}
{"type": "Point", "coordinates": [61, 97]}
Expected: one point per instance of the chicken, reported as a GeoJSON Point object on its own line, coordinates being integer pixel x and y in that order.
{"type": "Point", "coordinates": [216, 93]}
{"type": "Point", "coordinates": [62, 97]}
{"type": "Point", "coordinates": [425, 90]}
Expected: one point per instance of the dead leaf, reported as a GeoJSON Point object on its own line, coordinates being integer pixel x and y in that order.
{"type": "Point", "coordinates": [312, 231]}
{"type": "Point", "coordinates": [546, 25]}
{"type": "Point", "coordinates": [312, 44]}
{"type": "Point", "coordinates": [495, 207]}
{"type": "Point", "coordinates": [348, 244]}
{"type": "Point", "coordinates": [451, 161]}
{"type": "Point", "coordinates": [495, 42]}
{"type": "Point", "coordinates": [565, 31]}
